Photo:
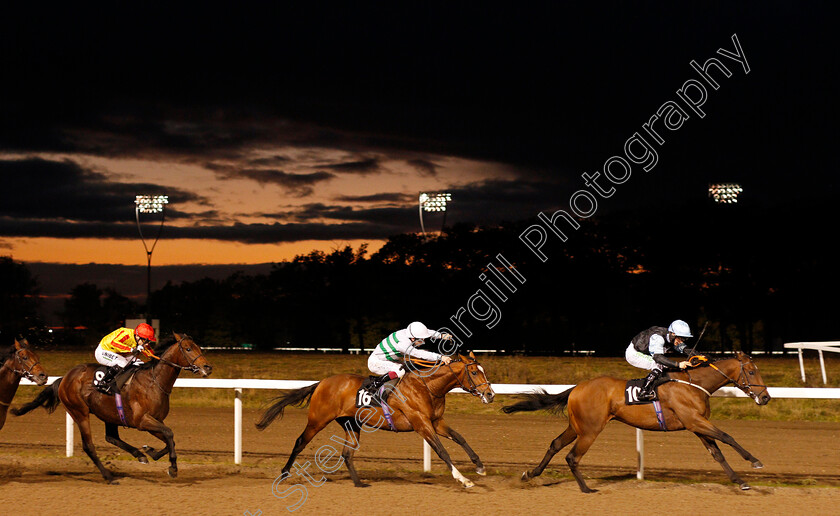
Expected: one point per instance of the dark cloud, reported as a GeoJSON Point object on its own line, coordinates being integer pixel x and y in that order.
{"type": "Point", "coordinates": [40, 189]}
{"type": "Point", "coordinates": [424, 166]}
{"type": "Point", "coordinates": [362, 166]}
{"type": "Point", "coordinates": [391, 197]}
{"type": "Point", "coordinates": [297, 185]}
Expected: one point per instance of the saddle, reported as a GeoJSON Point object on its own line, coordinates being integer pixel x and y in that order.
{"type": "Point", "coordinates": [365, 397]}
{"type": "Point", "coordinates": [632, 388]}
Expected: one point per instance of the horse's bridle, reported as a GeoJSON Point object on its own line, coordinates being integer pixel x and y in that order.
{"type": "Point", "coordinates": [474, 387]}
{"type": "Point", "coordinates": [26, 372]}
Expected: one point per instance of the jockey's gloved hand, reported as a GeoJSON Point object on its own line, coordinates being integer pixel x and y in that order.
{"type": "Point", "coordinates": [445, 336]}
{"type": "Point", "coordinates": [140, 347]}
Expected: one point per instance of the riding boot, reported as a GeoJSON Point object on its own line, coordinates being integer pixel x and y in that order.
{"type": "Point", "coordinates": [378, 382]}
{"type": "Point", "coordinates": [647, 394]}
{"type": "Point", "coordinates": [108, 383]}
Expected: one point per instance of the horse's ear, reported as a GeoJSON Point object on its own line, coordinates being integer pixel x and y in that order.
{"type": "Point", "coordinates": [18, 344]}
{"type": "Point", "coordinates": [177, 337]}
{"type": "Point", "coordinates": [472, 355]}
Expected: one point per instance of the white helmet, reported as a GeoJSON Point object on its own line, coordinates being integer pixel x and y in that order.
{"type": "Point", "coordinates": [680, 329]}
{"type": "Point", "coordinates": [418, 330]}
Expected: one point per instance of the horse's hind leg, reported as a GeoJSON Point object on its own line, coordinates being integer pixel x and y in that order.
{"type": "Point", "coordinates": [443, 429]}
{"type": "Point", "coordinates": [351, 444]}
{"type": "Point", "coordinates": [577, 452]}
{"type": "Point", "coordinates": [313, 426]}
{"type": "Point", "coordinates": [559, 442]}
{"type": "Point", "coordinates": [712, 446]}
{"type": "Point", "coordinates": [83, 422]}
{"type": "Point", "coordinates": [112, 435]}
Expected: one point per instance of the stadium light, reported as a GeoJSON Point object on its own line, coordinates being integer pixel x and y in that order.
{"type": "Point", "coordinates": [433, 202]}
{"type": "Point", "coordinates": [149, 204]}
{"type": "Point", "coordinates": [725, 193]}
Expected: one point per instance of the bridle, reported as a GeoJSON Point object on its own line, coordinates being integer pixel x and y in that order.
{"type": "Point", "coordinates": [26, 372]}
{"type": "Point", "coordinates": [742, 382]}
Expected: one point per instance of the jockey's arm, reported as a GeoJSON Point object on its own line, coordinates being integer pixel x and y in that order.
{"type": "Point", "coordinates": [667, 362]}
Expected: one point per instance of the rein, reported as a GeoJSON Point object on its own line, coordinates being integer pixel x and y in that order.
{"type": "Point", "coordinates": [745, 387]}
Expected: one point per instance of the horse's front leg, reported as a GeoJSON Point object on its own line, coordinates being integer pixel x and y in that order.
{"type": "Point", "coordinates": [424, 427]}
{"type": "Point", "coordinates": [712, 446]}
{"type": "Point", "coordinates": [165, 434]}
{"type": "Point", "coordinates": [443, 429]}
{"type": "Point", "coordinates": [704, 427]}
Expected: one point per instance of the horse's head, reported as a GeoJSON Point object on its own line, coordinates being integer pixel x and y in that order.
{"type": "Point", "coordinates": [472, 377]}
{"type": "Point", "coordinates": [749, 380]}
{"type": "Point", "coordinates": [25, 362]}
{"type": "Point", "coordinates": [186, 353]}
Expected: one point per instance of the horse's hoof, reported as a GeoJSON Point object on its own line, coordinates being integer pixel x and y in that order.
{"type": "Point", "coordinates": [172, 471]}
{"type": "Point", "coordinates": [468, 484]}
{"type": "Point", "coordinates": [525, 476]}
{"type": "Point", "coordinates": [757, 464]}
{"type": "Point", "coordinates": [745, 487]}
{"type": "Point", "coordinates": [588, 490]}
{"type": "Point", "coordinates": [481, 471]}
{"type": "Point", "coordinates": [142, 459]}
{"type": "Point", "coordinates": [360, 484]}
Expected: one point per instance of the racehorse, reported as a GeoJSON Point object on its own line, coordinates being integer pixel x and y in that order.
{"type": "Point", "coordinates": [19, 362]}
{"type": "Point", "coordinates": [684, 401]}
{"type": "Point", "coordinates": [417, 403]}
{"type": "Point", "coordinates": [145, 400]}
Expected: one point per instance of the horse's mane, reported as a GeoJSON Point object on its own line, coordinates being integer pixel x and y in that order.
{"type": "Point", "coordinates": [7, 354]}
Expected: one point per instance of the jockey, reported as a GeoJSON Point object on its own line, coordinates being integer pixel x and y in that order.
{"type": "Point", "coordinates": [647, 351]}
{"type": "Point", "coordinates": [114, 348]}
{"type": "Point", "coordinates": [387, 356]}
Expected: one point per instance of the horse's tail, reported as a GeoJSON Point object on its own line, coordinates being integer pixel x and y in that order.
{"type": "Point", "coordinates": [540, 400]}
{"type": "Point", "coordinates": [48, 398]}
{"type": "Point", "coordinates": [299, 398]}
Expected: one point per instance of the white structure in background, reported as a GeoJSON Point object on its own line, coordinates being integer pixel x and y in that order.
{"type": "Point", "coordinates": [833, 346]}
{"type": "Point", "coordinates": [725, 193]}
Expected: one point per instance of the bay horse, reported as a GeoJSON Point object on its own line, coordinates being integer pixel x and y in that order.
{"type": "Point", "coordinates": [416, 404]}
{"type": "Point", "coordinates": [684, 399]}
{"type": "Point", "coordinates": [19, 362]}
{"type": "Point", "coordinates": [145, 401]}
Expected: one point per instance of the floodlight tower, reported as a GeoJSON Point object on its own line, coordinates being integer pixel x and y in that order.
{"type": "Point", "coordinates": [433, 202]}
{"type": "Point", "coordinates": [150, 204]}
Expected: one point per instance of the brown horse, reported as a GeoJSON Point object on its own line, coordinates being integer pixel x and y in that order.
{"type": "Point", "coordinates": [417, 404]}
{"type": "Point", "coordinates": [145, 400]}
{"type": "Point", "coordinates": [19, 362]}
{"type": "Point", "coordinates": [685, 406]}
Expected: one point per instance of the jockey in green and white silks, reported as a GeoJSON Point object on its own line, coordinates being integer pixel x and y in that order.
{"type": "Point", "coordinates": [386, 359]}
{"type": "Point", "coordinates": [647, 351]}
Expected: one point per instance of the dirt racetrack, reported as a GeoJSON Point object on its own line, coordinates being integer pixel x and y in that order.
{"type": "Point", "coordinates": [801, 473]}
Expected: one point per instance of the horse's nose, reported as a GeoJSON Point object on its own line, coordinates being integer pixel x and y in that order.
{"type": "Point", "coordinates": [208, 369]}
{"type": "Point", "coordinates": [41, 379]}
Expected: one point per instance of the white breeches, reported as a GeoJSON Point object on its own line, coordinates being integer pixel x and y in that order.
{"type": "Point", "coordinates": [640, 360]}
{"type": "Point", "coordinates": [381, 367]}
{"type": "Point", "coordinates": [109, 358]}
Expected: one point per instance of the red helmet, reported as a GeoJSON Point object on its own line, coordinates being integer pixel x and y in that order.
{"type": "Point", "coordinates": [145, 331]}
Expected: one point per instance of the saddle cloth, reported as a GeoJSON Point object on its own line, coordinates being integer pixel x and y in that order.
{"type": "Point", "coordinates": [631, 392]}
{"type": "Point", "coordinates": [366, 398]}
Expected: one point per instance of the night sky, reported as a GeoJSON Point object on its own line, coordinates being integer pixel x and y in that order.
{"type": "Point", "coordinates": [280, 129]}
